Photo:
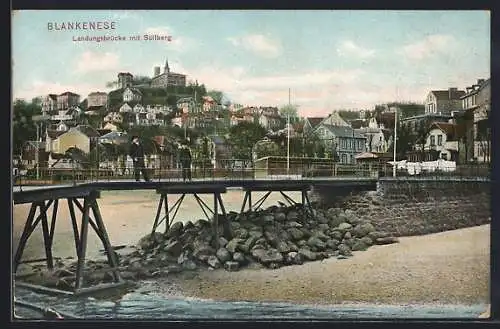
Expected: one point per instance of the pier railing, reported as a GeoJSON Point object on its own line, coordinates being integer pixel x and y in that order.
{"type": "Point", "coordinates": [47, 176]}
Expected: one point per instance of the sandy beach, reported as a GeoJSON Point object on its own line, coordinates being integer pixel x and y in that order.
{"type": "Point", "coordinates": [449, 267]}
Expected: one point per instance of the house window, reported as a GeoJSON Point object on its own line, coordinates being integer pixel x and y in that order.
{"type": "Point", "coordinates": [440, 140]}
{"type": "Point", "coordinates": [344, 158]}
{"type": "Point", "coordinates": [433, 140]}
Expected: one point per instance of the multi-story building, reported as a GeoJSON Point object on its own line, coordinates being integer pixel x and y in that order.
{"type": "Point", "coordinates": [375, 137]}
{"type": "Point", "coordinates": [476, 103]}
{"type": "Point", "coordinates": [67, 100]}
{"type": "Point", "coordinates": [270, 118]}
{"type": "Point", "coordinates": [97, 99]}
{"type": "Point", "coordinates": [341, 141]}
{"type": "Point", "coordinates": [131, 94]}
{"type": "Point", "coordinates": [167, 78]}
{"type": "Point", "coordinates": [125, 79]}
{"type": "Point", "coordinates": [49, 104]}
{"type": "Point", "coordinates": [443, 101]}
{"type": "Point", "coordinates": [443, 141]}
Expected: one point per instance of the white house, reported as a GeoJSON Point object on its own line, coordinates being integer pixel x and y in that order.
{"type": "Point", "coordinates": [138, 108]}
{"type": "Point", "coordinates": [125, 108]}
{"type": "Point", "coordinates": [443, 138]}
{"type": "Point", "coordinates": [131, 95]}
{"type": "Point", "coordinates": [375, 138]}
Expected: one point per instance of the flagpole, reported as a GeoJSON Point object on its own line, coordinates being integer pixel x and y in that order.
{"type": "Point", "coordinates": [288, 136]}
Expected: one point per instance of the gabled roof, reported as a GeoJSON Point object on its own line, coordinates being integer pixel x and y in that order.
{"type": "Point", "coordinates": [343, 131]}
{"type": "Point", "coordinates": [452, 131]}
{"type": "Point", "coordinates": [314, 121]}
{"type": "Point", "coordinates": [133, 90]}
{"type": "Point", "coordinates": [69, 93]}
{"type": "Point", "coordinates": [88, 130]}
{"type": "Point", "coordinates": [445, 94]}
{"type": "Point", "coordinates": [53, 134]}
{"type": "Point", "coordinates": [53, 97]}
{"type": "Point", "coordinates": [96, 93]}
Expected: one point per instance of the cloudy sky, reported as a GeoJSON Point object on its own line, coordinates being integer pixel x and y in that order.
{"type": "Point", "coordinates": [329, 59]}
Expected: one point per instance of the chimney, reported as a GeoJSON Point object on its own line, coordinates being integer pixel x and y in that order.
{"type": "Point", "coordinates": [451, 92]}
{"type": "Point", "coordinates": [156, 71]}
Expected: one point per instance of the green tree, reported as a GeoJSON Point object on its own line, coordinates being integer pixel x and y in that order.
{"type": "Point", "coordinates": [243, 137]}
{"type": "Point", "coordinates": [266, 148]}
{"type": "Point", "coordinates": [24, 129]}
{"type": "Point", "coordinates": [291, 110]}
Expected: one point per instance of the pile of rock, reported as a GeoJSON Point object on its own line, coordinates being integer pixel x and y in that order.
{"type": "Point", "coordinates": [274, 237]}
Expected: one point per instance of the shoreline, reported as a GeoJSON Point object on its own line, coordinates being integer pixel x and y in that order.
{"type": "Point", "coordinates": [411, 271]}
{"type": "Point", "coordinates": [456, 285]}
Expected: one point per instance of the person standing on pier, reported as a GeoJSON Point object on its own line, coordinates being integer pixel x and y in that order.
{"type": "Point", "coordinates": [137, 155]}
{"type": "Point", "coordinates": [185, 159]}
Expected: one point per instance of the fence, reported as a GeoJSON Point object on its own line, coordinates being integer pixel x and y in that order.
{"type": "Point", "coordinates": [278, 170]}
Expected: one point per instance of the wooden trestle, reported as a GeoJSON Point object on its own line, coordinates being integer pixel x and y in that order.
{"type": "Point", "coordinates": [212, 215]}
{"type": "Point", "coordinates": [281, 188]}
{"type": "Point", "coordinates": [43, 203]}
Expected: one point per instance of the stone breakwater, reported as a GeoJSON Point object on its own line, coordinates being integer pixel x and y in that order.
{"type": "Point", "coordinates": [407, 214]}
{"type": "Point", "coordinates": [275, 237]}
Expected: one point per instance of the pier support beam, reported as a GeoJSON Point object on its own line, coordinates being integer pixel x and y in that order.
{"type": "Point", "coordinates": [212, 215]}
{"type": "Point", "coordinates": [80, 236]}
{"type": "Point", "coordinates": [247, 200]}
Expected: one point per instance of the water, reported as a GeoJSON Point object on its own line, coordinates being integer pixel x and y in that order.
{"type": "Point", "coordinates": [152, 306]}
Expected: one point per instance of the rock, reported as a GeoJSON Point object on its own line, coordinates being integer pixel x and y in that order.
{"type": "Point", "coordinates": [222, 242]}
{"type": "Point", "coordinates": [267, 256]}
{"type": "Point", "coordinates": [332, 244]}
{"type": "Point", "coordinates": [202, 223]}
{"type": "Point", "coordinates": [323, 227]}
{"type": "Point", "coordinates": [295, 233]}
{"type": "Point", "coordinates": [61, 273]}
{"type": "Point", "coordinates": [232, 245]}
{"type": "Point", "coordinates": [203, 251]}
{"type": "Point", "coordinates": [274, 266]}
{"type": "Point", "coordinates": [375, 235]}
{"type": "Point", "coordinates": [341, 257]}
{"type": "Point", "coordinates": [363, 229]}
{"type": "Point", "coordinates": [293, 224]}
{"type": "Point", "coordinates": [241, 233]}
{"type": "Point", "coordinates": [294, 258]}
{"type": "Point", "coordinates": [292, 246]}
{"type": "Point", "coordinates": [150, 241]}
{"type": "Point", "coordinates": [333, 213]}
{"type": "Point", "coordinates": [387, 240]}
{"type": "Point", "coordinates": [174, 248]}
{"type": "Point", "coordinates": [239, 257]}
{"type": "Point", "coordinates": [231, 266]}
{"type": "Point", "coordinates": [344, 249]}
{"type": "Point", "coordinates": [306, 232]}
{"type": "Point", "coordinates": [292, 216]}
{"type": "Point", "coordinates": [256, 232]}
{"type": "Point", "coordinates": [267, 219]}
{"type": "Point", "coordinates": [344, 226]}
{"type": "Point", "coordinates": [175, 230]}
{"type": "Point", "coordinates": [223, 255]}
{"type": "Point", "coordinates": [337, 235]}
{"type": "Point", "coordinates": [347, 235]}
{"type": "Point", "coordinates": [317, 243]}
{"type": "Point", "coordinates": [320, 235]}
{"type": "Point", "coordinates": [322, 219]}
{"type": "Point", "coordinates": [248, 244]}
{"type": "Point", "coordinates": [348, 242]}
{"type": "Point", "coordinates": [279, 217]}
{"type": "Point", "coordinates": [271, 237]}
{"type": "Point", "coordinates": [283, 247]}
{"type": "Point", "coordinates": [183, 258]}
{"type": "Point", "coordinates": [128, 275]}
{"type": "Point", "coordinates": [301, 243]}
{"type": "Point", "coordinates": [367, 240]}
{"type": "Point", "coordinates": [307, 254]}
{"type": "Point", "coordinates": [189, 265]}
{"type": "Point", "coordinates": [359, 245]}
{"type": "Point", "coordinates": [214, 262]}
